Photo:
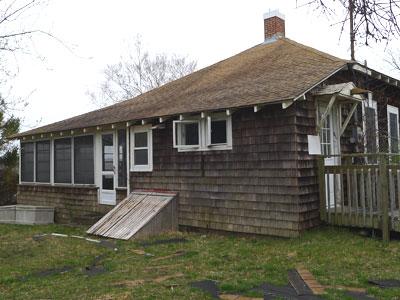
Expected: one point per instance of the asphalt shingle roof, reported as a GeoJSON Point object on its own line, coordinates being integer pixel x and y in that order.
{"type": "Point", "coordinates": [266, 73]}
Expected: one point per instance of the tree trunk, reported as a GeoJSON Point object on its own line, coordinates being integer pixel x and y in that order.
{"type": "Point", "coordinates": [352, 33]}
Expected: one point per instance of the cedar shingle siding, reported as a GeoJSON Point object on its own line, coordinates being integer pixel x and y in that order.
{"type": "Point", "coordinates": [254, 188]}
{"type": "Point", "coordinates": [77, 205]}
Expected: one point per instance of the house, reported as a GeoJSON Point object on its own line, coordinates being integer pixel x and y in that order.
{"type": "Point", "coordinates": [234, 139]}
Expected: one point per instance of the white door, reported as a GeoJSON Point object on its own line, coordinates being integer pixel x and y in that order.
{"type": "Point", "coordinates": [330, 145]}
{"type": "Point", "coordinates": [108, 170]}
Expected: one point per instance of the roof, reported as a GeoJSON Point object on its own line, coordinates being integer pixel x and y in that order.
{"type": "Point", "coordinates": [266, 73]}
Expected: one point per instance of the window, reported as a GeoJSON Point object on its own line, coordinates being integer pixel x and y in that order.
{"type": "Point", "coordinates": [325, 135]}
{"type": "Point", "coordinates": [43, 161]}
{"type": "Point", "coordinates": [142, 156]}
{"type": "Point", "coordinates": [211, 133]}
{"type": "Point", "coordinates": [187, 134]}
{"type": "Point", "coordinates": [27, 162]}
{"type": "Point", "coordinates": [107, 141]}
{"type": "Point", "coordinates": [83, 160]}
{"type": "Point", "coordinates": [371, 127]}
{"type": "Point", "coordinates": [62, 161]}
{"type": "Point", "coordinates": [393, 128]}
{"type": "Point", "coordinates": [122, 176]}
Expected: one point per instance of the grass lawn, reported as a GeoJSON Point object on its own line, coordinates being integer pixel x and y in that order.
{"type": "Point", "coordinates": [334, 256]}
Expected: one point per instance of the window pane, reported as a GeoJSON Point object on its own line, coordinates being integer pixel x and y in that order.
{"type": "Point", "coordinates": [370, 133]}
{"type": "Point", "coordinates": [43, 161]}
{"type": "Point", "coordinates": [83, 160]}
{"type": "Point", "coordinates": [27, 160]}
{"type": "Point", "coordinates": [190, 134]}
{"type": "Point", "coordinates": [108, 152]}
{"type": "Point", "coordinates": [394, 138]}
{"type": "Point", "coordinates": [62, 160]}
{"type": "Point", "coordinates": [108, 182]}
{"type": "Point", "coordinates": [140, 139]}
{"type": "Point", "coordinates": [122, 176]}
{"type": "Point", "coordinates": [218, 132]}
{"type": "Point", "coordinates": [141, 157]}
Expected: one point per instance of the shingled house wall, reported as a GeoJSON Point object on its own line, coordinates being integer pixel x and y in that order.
{"type": "Point", "coordinates": [73, 205]}
{"type": "Point", "coordinates": [261, 186]}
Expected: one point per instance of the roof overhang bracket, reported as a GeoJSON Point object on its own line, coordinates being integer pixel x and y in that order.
{"type": "Point", "coordinates": [346, 122]}
{"type": "Point", "coordinates": [327, 111]}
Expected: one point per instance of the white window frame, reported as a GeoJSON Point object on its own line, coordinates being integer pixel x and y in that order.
{"type": "Point", "coordinates": [149, 166]}
{"type": "Point", "coordinates": [374, 105]}
{"type": "Point", "coordinates": [204, 133]}
{"type": "Point", "coordinates": [222, 146]}
{"type": "Point", "coordinates": [392, 110]}
{"type": "Point", "coordinates": [177, 139]}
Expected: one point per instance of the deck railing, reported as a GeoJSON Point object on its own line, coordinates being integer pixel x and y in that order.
{"type": "Point", "coordinates": [360, 190]}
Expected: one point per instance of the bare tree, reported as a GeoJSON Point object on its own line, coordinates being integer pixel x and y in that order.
{"type": "Point", "coordinates": [138, 72]}
{"type": "Point", "coordinates": [367, 19]}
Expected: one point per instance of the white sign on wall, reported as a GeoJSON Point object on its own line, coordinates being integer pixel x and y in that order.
{"type": "Point", "coordinates": [314, 145]}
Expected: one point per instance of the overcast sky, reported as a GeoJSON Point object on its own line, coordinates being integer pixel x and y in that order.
{"type": "Point", "coordinates": [208, 31]}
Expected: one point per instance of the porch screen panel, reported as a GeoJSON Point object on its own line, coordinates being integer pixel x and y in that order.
{"type": "Point", "coordinates": [83, 160]}
{"type": "Point", "coordinates": [122, 176]}
{"type": "Point", "coordinates": [62, 160]}
{"type": "Point", "coordinates": [43, 161]}
{"type": "Point", "coordinates": [394, 138]}
{"type": "Point", "coordinates": [27, 161]}
{"type": "Point", "coordinates": [370, 121]}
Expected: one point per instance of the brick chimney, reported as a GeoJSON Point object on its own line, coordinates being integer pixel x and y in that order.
{"type": "Point", "coordinates": [274, 26]}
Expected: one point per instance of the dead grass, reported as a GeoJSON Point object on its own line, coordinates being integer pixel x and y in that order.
{"type": "Point", "coordinates": [335, 257]}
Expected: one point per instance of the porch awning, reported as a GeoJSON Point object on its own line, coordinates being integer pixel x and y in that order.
{"type": "Point", "coordinates": [343, 91]}
{"type": "Point", "coordinates": [340, 93]}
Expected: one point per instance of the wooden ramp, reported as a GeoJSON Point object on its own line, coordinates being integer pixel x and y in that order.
{"type": "Point", "coordinates": [140, 215]}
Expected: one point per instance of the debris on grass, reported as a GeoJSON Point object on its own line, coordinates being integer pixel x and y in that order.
{"type": "Point", "coordinates": [286, 292]}
{"type": "Point", "coordinates": [109, 244]}
{"type": "Point", "coordinates": [105, 243]}
{"type": "Point", "coordinates": [301, 286]}
{"type": "Point", "coordinates": [176, 254]}
{"type": "Point", "coordinates": [345, 288]}
{"type": "Point", "coordinates": [47, 272]}
{"type": "Point", "coordinates": [237, 297]}
{"type": "Point", "coordinates": [95, 268]}
{"type": "Point", "coordinates": [150, 268]}
{"type": "Point", "coordinates": [129, 283]}
{"type": "Point", "coordinates": [387, 283]}
{"type": "Point", "coordinates": [305, 276]}
{"type": "Point", "coordinates": [142, 252]}
{"type": "Point", "coordinates": [208, 286]}
{"type": "Point", "coordinates": [39, 237]}
{"type": "Point", "coordinates": [137, 282]}
{"type": "Point", "coordinates": [164, 241]}
{"type": "Point", "coordinates": [167, 277]}
{"type": "Point", "coordinates": [359, 295]}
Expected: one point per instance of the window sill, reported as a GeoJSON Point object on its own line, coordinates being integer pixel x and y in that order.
{"type": "Point", "coordinates": [141, 170]}
{"type": "Point", "coordinates": [210, 148]}
{"type": "Point", "coordinates": [60, 185]}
